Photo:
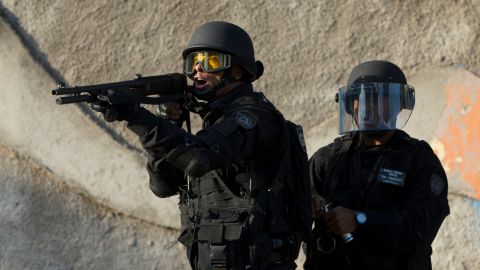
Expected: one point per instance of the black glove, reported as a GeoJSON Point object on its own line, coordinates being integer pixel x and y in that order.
{"type": "Point", "coordinates": [173, 112]}
{"type": "Point", "coordinates": [111, 112]}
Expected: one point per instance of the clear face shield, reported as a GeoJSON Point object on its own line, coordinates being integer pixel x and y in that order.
{"type": "Point", "coordinates": [374, 106]}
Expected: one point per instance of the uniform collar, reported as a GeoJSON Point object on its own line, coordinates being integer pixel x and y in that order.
{"type": "Point", "coordinates": [237, 92]}
{"type": "Point", "coordinates": [399, 137]}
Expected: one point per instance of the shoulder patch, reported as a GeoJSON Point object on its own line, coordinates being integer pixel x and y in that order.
{"type": "Point", "coordinates": [436, 184]}
{"type": "Point", "coordinates": [245, 119]}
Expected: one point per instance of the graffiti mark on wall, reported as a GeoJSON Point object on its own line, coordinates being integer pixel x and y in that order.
{"type": "Point", "coordinates": [457, 139]}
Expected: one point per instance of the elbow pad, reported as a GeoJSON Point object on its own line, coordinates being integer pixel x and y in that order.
{"type": "Point", "coordinates": [194, 161]}
{"type": "Point", "coordinates": [164, 186]}
{"type": "Point", "coordinates": [161, 192]}
{"type": "Point", "coordinates": [165, 179]}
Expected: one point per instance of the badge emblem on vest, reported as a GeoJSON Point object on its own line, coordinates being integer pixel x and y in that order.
{"type": "Point", "coordinates": [391, 177]}
{"type": "Point", "coordinates": [246, 120]}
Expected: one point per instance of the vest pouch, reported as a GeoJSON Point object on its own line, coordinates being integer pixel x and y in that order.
{"type": "Point", "coordinates": [214, 192]}
{"type": "Point", "coordinates": [222, 216]}
{"type": "Point", "coordinates": [250, 184]}
{"type": "Point", "coordinates": [226, 245]}
{"type": "Point", "coordinates": [186, 236]}
{"type": "Point", "coordinates": [186, 213]}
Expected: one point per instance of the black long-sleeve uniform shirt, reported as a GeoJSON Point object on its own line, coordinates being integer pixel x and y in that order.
{"type": "Point", "coordinates": [231, 133]}
{"type": "Point", "coordinates": [402, 188]}
{"type": "Point", "coordinates": [241, 139]}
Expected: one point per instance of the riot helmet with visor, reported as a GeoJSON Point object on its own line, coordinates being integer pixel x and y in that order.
{"type": "Point", "coordinates": [376, 98]}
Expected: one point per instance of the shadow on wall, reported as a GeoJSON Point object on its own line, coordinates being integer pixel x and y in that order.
{"type": "Point", "coordinates": [45, 224]}
{"type": "Point", "coordinates": [41, 59]}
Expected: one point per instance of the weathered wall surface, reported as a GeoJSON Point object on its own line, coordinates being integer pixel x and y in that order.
{"type": "Point", "coordinates": [45, 224]}
{"type": "Point", "coordinates": [65, 140]}
{"type": "Point", "coordinates": [64, 164]}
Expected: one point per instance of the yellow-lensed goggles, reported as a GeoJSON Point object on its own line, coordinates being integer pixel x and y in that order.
{"type": "Point", "coordinates": [209, 60]}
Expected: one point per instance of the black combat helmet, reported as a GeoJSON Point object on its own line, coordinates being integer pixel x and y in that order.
{"type": "Point", "coordinates": [227, 38]}
{"type": "Point", "coordinates": [376, 97]}
{"type": "Point", "coordinates": [377, 71]}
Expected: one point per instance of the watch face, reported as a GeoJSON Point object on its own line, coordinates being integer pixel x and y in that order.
{"type": "Point", "coordinates": [361, 217]}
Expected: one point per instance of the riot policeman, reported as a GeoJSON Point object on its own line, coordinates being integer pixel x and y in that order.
{"type": "Point", "coordinates": [388, 191]}
{"type": "Point", "coordinates": [237, 211]}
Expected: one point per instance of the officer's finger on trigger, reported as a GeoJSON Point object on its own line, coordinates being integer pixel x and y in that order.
{"type": "Point", "coordinates": [97, 107]}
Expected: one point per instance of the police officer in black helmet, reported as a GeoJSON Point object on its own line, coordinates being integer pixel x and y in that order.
{"type": "Point", "coordinates": [234, 210]}
{"type": "Point", "coordinates": [386, 192]}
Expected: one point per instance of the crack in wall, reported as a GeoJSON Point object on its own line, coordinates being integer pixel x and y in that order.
{"type": "Point", "coordinates": [40, 58]}
{"type": "Point", "coordinates": [46, 173]}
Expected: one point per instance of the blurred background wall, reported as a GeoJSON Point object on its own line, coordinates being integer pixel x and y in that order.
{"type": "Point", "coordinates": [73, 190]}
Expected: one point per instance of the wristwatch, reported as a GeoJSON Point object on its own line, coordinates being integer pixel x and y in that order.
{"type": "Point", "coordinates": [360, 217]}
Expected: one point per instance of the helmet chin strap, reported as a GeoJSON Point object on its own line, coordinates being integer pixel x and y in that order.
{"type": "Point", "coordinates": [211, 94]}
{"type": "Point", "coordinates": [374, 134]}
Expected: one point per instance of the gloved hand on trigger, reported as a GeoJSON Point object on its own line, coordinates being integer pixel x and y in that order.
{"type": "Point", "coordinates": [117, 112]}
{"type": "Point", "coordinates": [172, 112]}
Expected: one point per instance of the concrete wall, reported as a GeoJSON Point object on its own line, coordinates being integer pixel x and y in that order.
{"type": "Point", "coordinates": [68, 178]}
{"type": "Point", "coordinates": [46, 224]}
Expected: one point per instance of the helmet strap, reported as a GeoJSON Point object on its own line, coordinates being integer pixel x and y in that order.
{"type": "Point", "coordinates": [226, 79]}
{"type": "Point", "coordinates": [374, 134]}
{"type": "Point", "coordinates": [211, 94]}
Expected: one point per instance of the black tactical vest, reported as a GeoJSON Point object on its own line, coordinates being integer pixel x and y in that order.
{"type": "Point", "coordinates": [235, 217]}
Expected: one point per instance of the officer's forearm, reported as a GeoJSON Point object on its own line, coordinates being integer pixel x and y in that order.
{"type": "Point", "coordinates": [158, 136]}
{"type": "Point", "coordinates": [141, 122]}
